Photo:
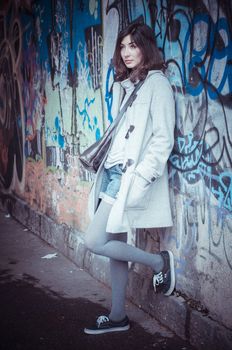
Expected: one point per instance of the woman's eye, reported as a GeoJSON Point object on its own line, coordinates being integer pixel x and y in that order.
{"type": "Point", "coordinates": [133, 46]}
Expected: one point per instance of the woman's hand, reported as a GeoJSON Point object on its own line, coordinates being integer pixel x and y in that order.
{"type": "Point", "coordinates": [138, 194]}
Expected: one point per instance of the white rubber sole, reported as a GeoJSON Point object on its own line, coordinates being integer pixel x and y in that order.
{"type": "Point", "coordinates": [173, 278]}
{"type": "Point", "coordinates": [103, 331]}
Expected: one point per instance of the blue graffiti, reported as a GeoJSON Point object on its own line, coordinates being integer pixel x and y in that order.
{"type": "Point", "coordinates": [195, 165]}
{"type": "Point", "coordinates": [196, 62]}
{"type": "Point", "coordinates": [87, 119]}
{"type": "Point", "coordinates": [97, 132]}
{"type": "Point", "coordinates": [59, 137]}
{"type": "Point", "coordinates": [84, 112]}
{"type": "Point", "coordinates": [200, 66]}
{"type": "Point", "coordinates": [108, 94]}
{"type": "Point", "coordinates": [198, 58]}
{"type": "Point", "coordinates": [222, 189]}
{"type": "Point", "coordinates": [189, 153]}
{"type": "Point", "coordinates": [68, 20]}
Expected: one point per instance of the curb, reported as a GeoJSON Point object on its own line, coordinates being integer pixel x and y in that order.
{"type": "Point", "coordinates": [173, 312]}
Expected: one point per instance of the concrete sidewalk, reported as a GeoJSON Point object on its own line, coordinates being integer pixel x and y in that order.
{"type": "Point", "coordinates": [46, 301]}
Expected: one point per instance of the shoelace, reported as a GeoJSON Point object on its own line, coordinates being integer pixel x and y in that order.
{"type": "Point", "coordinates": [158, 279]}
{"type": "Point", "coordinates": [102, 319]}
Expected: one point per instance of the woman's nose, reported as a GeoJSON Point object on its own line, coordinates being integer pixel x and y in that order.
{"type": "Point", "coordinates": [126, 52]}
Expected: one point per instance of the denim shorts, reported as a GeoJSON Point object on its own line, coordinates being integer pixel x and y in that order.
{"type": "Point", "coordinates": [111, 182]}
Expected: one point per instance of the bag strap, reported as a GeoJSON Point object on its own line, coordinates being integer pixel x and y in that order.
{"type": "Point", "coordinates": [126, 105]}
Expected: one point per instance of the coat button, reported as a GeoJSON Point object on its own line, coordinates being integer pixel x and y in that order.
{"type": "Point", "coordinates": [153, 179]}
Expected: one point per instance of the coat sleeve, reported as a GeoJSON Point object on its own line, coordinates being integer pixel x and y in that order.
{"type": "Point", "coordinates": [162, 111]}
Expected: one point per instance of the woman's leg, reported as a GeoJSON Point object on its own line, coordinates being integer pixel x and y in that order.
{"type": "Point", "coordinates": [96, 234]}
{"type": "Point", "coordinates": [103, 243]}
{"type": "Point", "coordinates": [119, 279]}
{"type": "Point", "coordinates": [98, 241]}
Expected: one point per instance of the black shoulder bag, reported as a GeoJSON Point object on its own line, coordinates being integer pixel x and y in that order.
{"type": "Point", "coordinates": [93, 156]}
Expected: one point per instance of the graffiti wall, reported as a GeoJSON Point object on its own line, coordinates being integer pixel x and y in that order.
{"type": "Point", "coordinates": [56, 80]}
{"type": "Point", "coordinates": [51, 102]}
{"type": "Point", "coordinates": [197, 46]}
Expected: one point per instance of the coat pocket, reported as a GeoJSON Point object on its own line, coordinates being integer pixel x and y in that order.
{"type": "Point", "coordinates": [139, 193]}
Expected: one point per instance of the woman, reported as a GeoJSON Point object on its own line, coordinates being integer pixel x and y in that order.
{"type": "Point", "coordinates": [131, 186]}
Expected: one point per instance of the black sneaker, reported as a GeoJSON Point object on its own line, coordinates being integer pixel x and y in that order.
{"type": "Point", "coordinates": [164, 281]}
{"type": "Point", "coordinates": [105, 325]}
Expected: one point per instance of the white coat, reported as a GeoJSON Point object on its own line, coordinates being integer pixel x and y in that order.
{"type": "Point", "coordinates": [143, 199]}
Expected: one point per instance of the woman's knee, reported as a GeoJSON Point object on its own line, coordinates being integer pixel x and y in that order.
{"type": "Point", "coordinates": [92, 244]}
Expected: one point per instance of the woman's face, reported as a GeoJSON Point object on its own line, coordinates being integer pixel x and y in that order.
{"type": "Point", "coordinates": [130, 53]}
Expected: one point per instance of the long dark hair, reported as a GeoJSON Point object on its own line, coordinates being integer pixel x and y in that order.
{"type": "Point", "coordinates": [144, 38]}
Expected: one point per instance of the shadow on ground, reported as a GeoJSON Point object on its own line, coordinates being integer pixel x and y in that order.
{"type": "Point", "coordinates": [34, 317]}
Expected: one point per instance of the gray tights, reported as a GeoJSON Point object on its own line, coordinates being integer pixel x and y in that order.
{"type": "Point", "coordinates": [114, 246]}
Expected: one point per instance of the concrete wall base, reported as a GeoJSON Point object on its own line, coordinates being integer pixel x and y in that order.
{"type": "Point", "coordinates": [173, 312]}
